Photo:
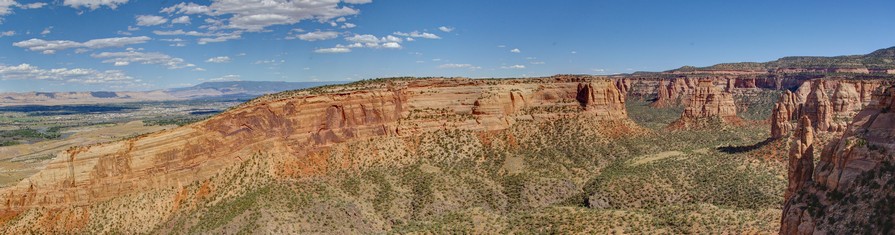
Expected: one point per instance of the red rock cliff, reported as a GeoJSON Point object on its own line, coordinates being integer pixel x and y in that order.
{"type": "Point", "coordinates": [828, 103]}
{"type": "Point", "coordinates": [705, 106]}
{"type": "Point", "coordinates": [292, 125]}
{"type": "Point", "coordinates": [852, 190]}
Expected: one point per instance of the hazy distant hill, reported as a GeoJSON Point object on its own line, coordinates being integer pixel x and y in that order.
{"type": "Point", "coordinates": [239, 89]}
{"type": "Point", "coordinates": [209, 90]}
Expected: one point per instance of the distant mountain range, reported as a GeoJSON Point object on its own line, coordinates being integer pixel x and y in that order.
{"type": "Point", "coordinates": [881, 61]}
{"type": "Point", "coordinates": [239, 89]}
{"type": "Point", "coordinates": [236, 90]}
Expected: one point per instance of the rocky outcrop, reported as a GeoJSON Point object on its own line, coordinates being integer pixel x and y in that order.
{"type": "Point", "coordinates": [669, 93]}
{"type": "Point", "coordinates": [707, 106]}
{"type": "Point", "coordinates": [801, 157]}
{"type": "Point", "coordinates": [829, 104]}
{"type": "Point", "coordinates": [852, 190]}
{"type": "Point", "coordinates": [295, 125]}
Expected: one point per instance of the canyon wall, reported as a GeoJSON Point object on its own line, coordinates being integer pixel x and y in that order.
{"type": "Point", "coordinates": [707, 106]}
{"type": "Point", "coordinates": [295, 125]}
{"type": "Point", "coordinates": [829, 104]}
{"type": "Point", "coordinates": [852, 189]}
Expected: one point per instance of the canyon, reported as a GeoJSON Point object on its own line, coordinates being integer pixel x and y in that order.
{"type": "Point", "coordinates": [668, 152]}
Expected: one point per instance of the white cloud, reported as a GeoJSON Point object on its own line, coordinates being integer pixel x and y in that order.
{"type": "Point", "coordinates": [256, 15]}
{"type": "Point", "coordinates": [46, 30]}
{"type": "Point", "coordinates": [537, 62]}
{"type": "Point", "coordinates": [150, 20]}
{"type": "Point", "coordinates": [446, 29]}
{"type": "Point", "coordinates": [50, 47]}
{"type": "Point", "coordinates": [181, 32]}
{"type": "Point", "coordinates": [179, 44]}
{"type": "Point", "coordinates": [318, 35]}
{"type": "Point", "coordinates": [458, 66]}
{"type": "Point", "coordinates": [517, 66]}
{"type": "Point", "coordinates": [76, 75]}
{"type": "Point", "coordinates": [35, 5]}
{"type": "Point", "coordinates": [181, 20]}
{"type": "Point", "coordinates": [574, 52]}
{"type": "Point", "coordinates": [348, 26]}
{"type": "Point", "coordinates": [391, 45]}
{"type": "Point", "coordinates": [94, 4]}
{"type": "Point", "coordinates": [365, 38]}
{"type": "Point", "coordinates": [219, 59]}
{"type": "Point", "coordinates": [371, 41]}
{"type": "Point", "coordinates": [132, 56]}
{"type": "Point", "coordinates": [186, 8]}
{"type": "Point", "coordinates": [6, 7]}
{"type": "Point", "coordinates": [7, 33]}
{"type": "Point", "coordinates": [501, 46]}
{"type": "Point", "coordinates": [333, 50]}
{"type": "Point", "coordinates": [516, 50]}
{"type": "Point", "coordinates": [417, 34]}
{"type": "Point", "coordinates": [230, 77]}
{"type": "Point", "coordinates": [221, 38]}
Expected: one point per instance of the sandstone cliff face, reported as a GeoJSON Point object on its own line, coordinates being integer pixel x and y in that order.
{"type": "Point", "coordinates": [295, 126]}
{"type": "Point", "coordinates": [707, 106]}
{"type": "Point", "coordinates": [829, 104]}
{"type": "Point", "coordinates": [801, 157]}
{"type": "Point", "coordinates": [852, 189]}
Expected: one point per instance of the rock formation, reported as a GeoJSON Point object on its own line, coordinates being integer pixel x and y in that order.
{"type": "Point", "coordinates": [295, 125]}
{"type": "Point", "coordinates": [852, 190]}
{"type": "Point", "coordinates": [828, 103]}
{"type": "Point", "coordinates": [801, 157]}
{"type": "Point", "coordinates": [707, 106]}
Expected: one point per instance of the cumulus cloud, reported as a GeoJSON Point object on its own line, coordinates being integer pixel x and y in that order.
{"type": "Point", "coordinates": [256, 15]}
{"type": "Point", "coordinates": [133, 56]}
{"type": "Point", "coordinates": [348, 26]}
{"type": "Point", "coordinates": [446, 29]}
{"type": "Point", "coordinates": [181, 20]}
{"type": "Point", "coordinates": [94, 4]}
{"type": "Point", "coordinates": [516, 50]}
{"type": "Point", "coordinates": [50, 47]}
{"type": "Point", "coordinates": [517, 66]}
{"type": "Point", "coordinates": [150, 20]}
{"type": "Point", "coordinates": [371, 41]}
{"type": "Point", "coordinates": [7, 33]}
{"type": "Point", "coordinates": [318, 35]}
{"type": "Point", "coordinates": [7, 5]}
{"type": "Point", "coordinates": [46, 30]}
{"type": "Point", "coordinates": [458, 66]}
{"type": "Point", "coordinates": [186, 8]}
{"type": "Point", "coordinates": [76, 75]}
{"type": "Point", "coordinates": [391, 45]}
{"type": "Point", "coordinates": [333, 50]}
{"type": "Point", "coordinates": [219, 59]}
{"type": "Point", "coordinates": [417, 34]}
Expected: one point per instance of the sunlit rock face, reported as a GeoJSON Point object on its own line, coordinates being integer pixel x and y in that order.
{"type": "Point", "coordinates": [852, 186]}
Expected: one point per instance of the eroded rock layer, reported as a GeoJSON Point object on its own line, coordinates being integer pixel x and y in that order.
{"type": "Point", "coordinates": [829, 104]}
{"type": "Point", "coordinates": [706, 106]}
{"type": "Point", "coordinates": [297, 124]}
{"type": "Point", "coordinates": [852, 188]}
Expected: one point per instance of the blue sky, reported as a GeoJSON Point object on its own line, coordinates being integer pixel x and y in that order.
{"type": "Point", "coordinates": [76, 45]}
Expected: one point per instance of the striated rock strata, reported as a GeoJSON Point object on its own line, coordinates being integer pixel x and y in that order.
{"type": "Point", "coordinates": [296, 125]}
{"type": "Point", "coordinates": [707, 106]}
{"type": "Point", "coordinates": [852, 188]}
{"type": "Point", "coordinates": [828, 103]}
